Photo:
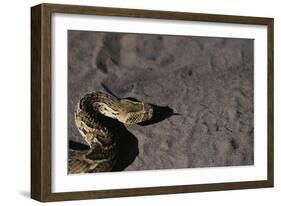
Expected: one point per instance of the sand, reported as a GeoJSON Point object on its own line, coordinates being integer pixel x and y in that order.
{"type": "Point", "coordinates": [207, 81]}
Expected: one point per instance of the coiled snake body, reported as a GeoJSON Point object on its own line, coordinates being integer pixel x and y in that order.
{"type": "Point", "coordinates": [90, 114]}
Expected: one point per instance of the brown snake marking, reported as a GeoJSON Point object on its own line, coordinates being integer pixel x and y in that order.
{"type": "Point", "coordinates": [89, 113]}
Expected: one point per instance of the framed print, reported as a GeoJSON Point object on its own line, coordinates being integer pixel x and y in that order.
{"type": "Point", "coordinates": [132, 102]}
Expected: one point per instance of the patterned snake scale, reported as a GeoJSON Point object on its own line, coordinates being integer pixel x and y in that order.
{"type": "Point", "coordinates": [90, 114]}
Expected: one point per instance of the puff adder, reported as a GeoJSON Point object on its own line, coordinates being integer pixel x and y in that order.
{"type": "Point", "coordinates": [90, 118]}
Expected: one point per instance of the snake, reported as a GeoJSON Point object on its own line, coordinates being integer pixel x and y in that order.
{"type": "Point", "coordinates": [93, 114]}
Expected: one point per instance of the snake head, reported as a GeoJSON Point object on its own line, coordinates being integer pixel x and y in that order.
{"type": "Point", "coordinates": [133, 112]}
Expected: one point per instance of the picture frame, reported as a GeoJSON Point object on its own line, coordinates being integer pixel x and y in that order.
{"type": "Point", "coordinates": [41, 101]}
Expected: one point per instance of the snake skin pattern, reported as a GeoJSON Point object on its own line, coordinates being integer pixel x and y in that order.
{"type": "Point", "coordinates": [91, 115]}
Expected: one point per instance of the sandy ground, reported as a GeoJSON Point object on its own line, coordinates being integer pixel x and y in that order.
{"type": "Point", "coordinates": [207, 81]}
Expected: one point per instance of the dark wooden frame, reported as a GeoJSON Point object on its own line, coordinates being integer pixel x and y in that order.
{"type": "Point", "coordinates": [41, 101]}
